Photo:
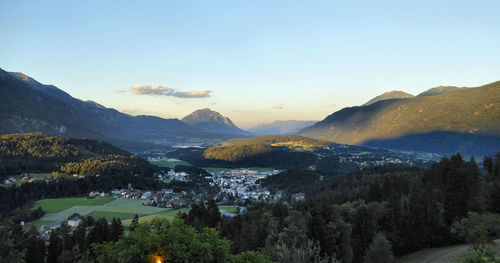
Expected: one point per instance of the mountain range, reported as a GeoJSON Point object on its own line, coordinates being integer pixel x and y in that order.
{"type": "Point", "coordinates": [441, 120]}
{"type": "Point", "coordinates": [29, 106]}
{"type": "Point", "coordinates": [212, 121]}
{"type": "Point", "coordinates": [280, 127]}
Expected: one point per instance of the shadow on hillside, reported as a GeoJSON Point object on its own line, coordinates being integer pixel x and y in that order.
{"type": "Point", "coordinates": [442, 142]}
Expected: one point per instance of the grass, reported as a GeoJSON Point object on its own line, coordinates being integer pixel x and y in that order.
{"type": "Point", "coordinates": [129, 206]}
{"type": "Point", "coordinates": [230, 209]}
{"type": "Point", "coordinates": [63, 215]}
{"type": "Point", "coordinates": [60, 204]}
{"type": "Point", "coordinates": [297, 146]}
{"type": "Point", "coordinates": [110, 215]}
{"type": "Point", "coordinates": [62, 208]}
{"type": "Point", "coordinates": [38, 223]}
{"type": "Point", "coordinates": [171, 214]}
{"type": "Point", "coordinates": [170, 164]}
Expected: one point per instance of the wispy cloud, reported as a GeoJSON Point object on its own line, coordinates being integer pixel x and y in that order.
{"type": "Point", "coordinates": [158, 90]}
{"type": "Point", "coordinates": [121, 91]}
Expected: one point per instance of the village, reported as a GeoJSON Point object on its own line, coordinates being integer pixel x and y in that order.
{"type": "Point", "coordinates": [241, 184]}
{"type": "Point", "coordinates": [233, 186]}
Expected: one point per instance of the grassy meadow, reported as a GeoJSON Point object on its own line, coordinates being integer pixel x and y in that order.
{"type": "Point", "coordinates": [108, 207]}
{"type": "Point", "coordinates": [170, 164]}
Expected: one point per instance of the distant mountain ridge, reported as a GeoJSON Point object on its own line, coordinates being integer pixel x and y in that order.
{"type": "Point", "coordinates": [209, 120]}
{"type": "Point", "coordinates": [280, 127]}
{"type": "Point", "coordinates": [438, 90]}
{"type": "Point", "coordinates": [395, 94]}
{"type": "Point", "coordinates": [465, 120]}
{"type": "Point", "coordinates": [29, 106]}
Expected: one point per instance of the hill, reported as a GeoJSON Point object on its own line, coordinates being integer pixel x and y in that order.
{"type": "Point", "coordinates": [37, 152]}
{"type": "Point", "coordinates": [391, 95]}
{"type": "Point", "coordinates": [293, 142]}
{"type": "Point", "coordinates": [438, 90]}
{"type": "Point", "coordinates": [278, 151]}
{"type": "Point", "coordinates": [29, 106]}
{"type": "Point", "coordinates": [212, 121]}
{"type": "Point", "coordinates": [280, 127]}
{"type": "Point", "coordinates": [465, 120]}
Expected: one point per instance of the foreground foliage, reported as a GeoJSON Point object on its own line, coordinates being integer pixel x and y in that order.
{"type": "Point", "coordinates": [172, 242]}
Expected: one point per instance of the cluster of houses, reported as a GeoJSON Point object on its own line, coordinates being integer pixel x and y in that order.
{"type": "Point", "coordinates": [45, 230]}
{"type": "Point", "coordinates": [172, 175]}
{"type": "Point", "coordinates": [24, 177]}
{"type": "Point", "coordinates": [365, 158]}
{"type": "Point", "coordinates": [164, 198]}
{"type": "Point", "coordinates": [241, 184]}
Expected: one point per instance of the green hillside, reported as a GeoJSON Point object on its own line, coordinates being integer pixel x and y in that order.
{"type": "Point", "coordinates": [291, 141]}
{"type": "Point", "coordinates": [438, 90]}
{"type": "Point", "coordinates": [471, 111]}
{"type": "Point", "coordinates": [37, 152]}
{"type": "Point", "coordinates": [278, 151]}
{"type": "Point", "coordinates": [395, 94]}
{"type": "Point", "coordinates": [238, 149]}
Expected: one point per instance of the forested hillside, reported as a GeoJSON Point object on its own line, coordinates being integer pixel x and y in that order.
{"type": "Point", "coordinates": [461, 120]}
{"type": "Point", "coordinates": [37, 152]}
{"type": "Point", "coordinates": [394, 211]}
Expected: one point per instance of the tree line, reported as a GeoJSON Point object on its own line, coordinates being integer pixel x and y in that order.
{"type": "Point", "coordinates": [398, 210]}
{"type": "Point", "coordinates": [37, 152]}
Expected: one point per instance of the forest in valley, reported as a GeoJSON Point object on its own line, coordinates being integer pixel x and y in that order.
{"type": "Point", "coordinates": [373, 215]}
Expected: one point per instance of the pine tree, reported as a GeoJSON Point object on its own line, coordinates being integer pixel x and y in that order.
{"type": "Point", "coordinates": [35, 247]}
{"type": "Point", "coordinates": [134, 224]}
{"type": "Point", "coordinates": [54, 248]}
{"type": "Point", "coordinates": [116, 230]}
{"type": "Point", "coordinates": [214, 215]}
{"type": "Point", "coordinates": [380, 251]}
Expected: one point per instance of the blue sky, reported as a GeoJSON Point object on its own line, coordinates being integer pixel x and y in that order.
{"type": "Point", "coordinates": [258, 61]}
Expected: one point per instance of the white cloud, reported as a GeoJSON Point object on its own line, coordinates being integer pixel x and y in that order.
{"type": "Point", "coordinates": [158, 90]}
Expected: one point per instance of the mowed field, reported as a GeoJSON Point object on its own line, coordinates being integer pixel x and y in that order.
{"type": "Point", "coordinates": [170, 164]}
{"type": "Point", "coordinates": [108, 207]}
{"type": "Point", "coordinates": [62, 208]}
{"type": "Point", "coordinates": [61, 204]}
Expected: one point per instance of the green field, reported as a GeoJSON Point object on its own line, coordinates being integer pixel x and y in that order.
{"type": "Point", "coordinates": [82, 210]}
{"type": "Point", "coordinates": [108, 207]}
{"type": "Point", "coordinates": [62, 208]}
{"type": "Point", "coordinates": [169, 164]}
{"type": "Point", "coordinates": [110, 215]}
{"type": "Point", "coordinates": [171, 214]}
{"type": "Point", "coordinates": [130, 206]}
{"type": "Point", "coordinates": [61, 204]}
{"type": "Point", "coordinates": [230, 208]}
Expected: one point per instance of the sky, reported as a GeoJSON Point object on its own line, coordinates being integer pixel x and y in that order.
{"type": "Point", "coordinates": [253, 61]}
